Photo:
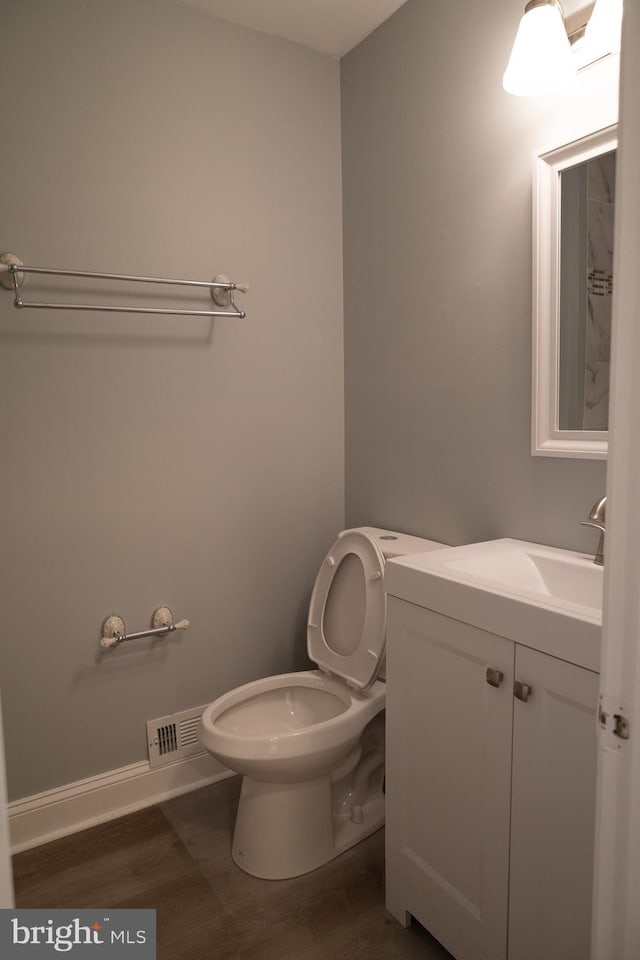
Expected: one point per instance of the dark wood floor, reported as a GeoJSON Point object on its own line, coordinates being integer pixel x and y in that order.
{"type": "Point", "coordinates": [176, 858]}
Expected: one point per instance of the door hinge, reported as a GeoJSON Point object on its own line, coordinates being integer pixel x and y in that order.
{"type": "Point", "coordinates": [614, 726]}
{"type": "Point", "coordinates": [621, 726]}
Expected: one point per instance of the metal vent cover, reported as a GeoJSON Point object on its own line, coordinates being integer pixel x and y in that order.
{"type": "Point", "coordinates": [174, 737]}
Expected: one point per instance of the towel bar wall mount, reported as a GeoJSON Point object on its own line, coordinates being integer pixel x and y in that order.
{"type": "Point", "coordinates": [114, 631]}
{"type": "Point", "coordinates": [221, 290]}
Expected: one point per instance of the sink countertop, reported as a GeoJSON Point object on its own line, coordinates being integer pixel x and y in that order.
{"type": "Point", "coordinates": [542, 597]}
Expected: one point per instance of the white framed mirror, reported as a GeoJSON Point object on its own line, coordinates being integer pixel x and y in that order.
{"type": "Point", "coordinates": [573, 213]}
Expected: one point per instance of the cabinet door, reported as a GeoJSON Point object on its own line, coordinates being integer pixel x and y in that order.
{"type": "Point", "coordinates": [448, 767]}
{"type": "Point", "coordinates": [553, 810]}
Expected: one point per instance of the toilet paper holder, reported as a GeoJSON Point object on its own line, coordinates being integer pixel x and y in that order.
{"type": "Point", "coordinates": [114, 631]}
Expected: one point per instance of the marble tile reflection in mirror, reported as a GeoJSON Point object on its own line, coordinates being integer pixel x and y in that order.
{"type": "Point", "coordinates": [574, 190]}
{"type": "Point", "coordinates": [587, 193]}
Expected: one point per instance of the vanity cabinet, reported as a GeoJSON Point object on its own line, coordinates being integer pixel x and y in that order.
{"type": "Point", "coordinates": [490, 798]}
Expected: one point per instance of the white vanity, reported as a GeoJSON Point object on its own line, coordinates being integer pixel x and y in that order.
{"type": "Point", "coordinates": [492, 689]}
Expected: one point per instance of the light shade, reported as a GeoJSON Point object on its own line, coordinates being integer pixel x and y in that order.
{"type": "Point", "coordinates": [541, 60]}
{"type": "Point", "coordinates": [602, 35]}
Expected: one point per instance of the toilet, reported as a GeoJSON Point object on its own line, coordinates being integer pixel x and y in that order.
{"type": "Point", "coordinates": [310, 744]}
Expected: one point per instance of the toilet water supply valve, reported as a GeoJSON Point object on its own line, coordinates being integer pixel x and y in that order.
{"type": "Point", "coordinates": [114, 631]}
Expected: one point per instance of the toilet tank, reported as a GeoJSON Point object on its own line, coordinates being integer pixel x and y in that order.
{"type": "Point", "coordinates": [394, 544]}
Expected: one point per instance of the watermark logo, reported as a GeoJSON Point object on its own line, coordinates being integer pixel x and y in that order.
{"type": "Point", "coordinates": [78, 934]}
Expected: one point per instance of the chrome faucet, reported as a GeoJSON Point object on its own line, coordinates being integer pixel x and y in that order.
{"type": "Point", "coordinates": [596, 519]}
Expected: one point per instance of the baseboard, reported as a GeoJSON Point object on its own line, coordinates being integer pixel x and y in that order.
{"type": "Point", "coordinates": [76, 806]}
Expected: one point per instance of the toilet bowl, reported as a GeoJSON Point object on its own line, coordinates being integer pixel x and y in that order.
{"type": "Point", "coordinates": [310, 744]}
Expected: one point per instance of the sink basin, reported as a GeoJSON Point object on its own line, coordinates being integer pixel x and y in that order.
{"type": "Point", "coordinates": [544, 597]}
{"type": "Point", "coordinates": [559, 576]}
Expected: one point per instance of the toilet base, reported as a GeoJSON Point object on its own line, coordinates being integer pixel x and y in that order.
{"type": "Point", "coordinates": [286, 830]}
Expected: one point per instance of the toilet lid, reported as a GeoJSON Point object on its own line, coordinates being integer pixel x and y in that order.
{"type": "Point", "coordinates": [348, 611]}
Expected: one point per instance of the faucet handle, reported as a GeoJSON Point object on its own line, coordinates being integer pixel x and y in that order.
{"type": "Point", "coordinates": [598, 510]}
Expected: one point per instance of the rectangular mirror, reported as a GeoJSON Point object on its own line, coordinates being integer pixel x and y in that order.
{"type": "Point", "coordinates": [573, 216]}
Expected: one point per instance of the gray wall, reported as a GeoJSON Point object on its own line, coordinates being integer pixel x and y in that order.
{"type": "Point", "coordinates": [437, 172]}
{"type": "Point", "coordinates": [157, 460]}
{"type": "Point", "coordinates": [150, 460]}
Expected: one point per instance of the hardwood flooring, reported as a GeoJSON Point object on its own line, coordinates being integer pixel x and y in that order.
{"type": "Point", "coordinates": [176, 858]}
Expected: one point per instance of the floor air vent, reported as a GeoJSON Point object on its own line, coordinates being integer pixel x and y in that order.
{"type": "Point", "coordinates": [174, 737]}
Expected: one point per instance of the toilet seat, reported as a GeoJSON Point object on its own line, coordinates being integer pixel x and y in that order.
{"type": "Point", "coordinates": [358, 607]}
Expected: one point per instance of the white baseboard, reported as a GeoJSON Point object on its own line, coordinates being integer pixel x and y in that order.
{"type": "Point", "coordinates": [76, 806]}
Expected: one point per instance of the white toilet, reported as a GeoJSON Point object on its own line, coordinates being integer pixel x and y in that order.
{"type": "Point", "coordinates": [310, 745]}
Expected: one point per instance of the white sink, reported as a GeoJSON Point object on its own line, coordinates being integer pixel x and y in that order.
{"type": "Point", "coordinates": [544, 597]}
{"type": "Point", "coordinates": [560, 576]}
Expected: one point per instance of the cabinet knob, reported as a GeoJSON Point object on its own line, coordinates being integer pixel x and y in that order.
{"type": "Point", "coordinates": [494, 677]}
{"type": "Point", "coordinates": [522, 691]}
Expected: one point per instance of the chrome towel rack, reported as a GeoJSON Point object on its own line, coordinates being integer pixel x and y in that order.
{"type": "Point", "coordinates": [114, 631]}
{"type": "Point", "coordinates": [221, 289]}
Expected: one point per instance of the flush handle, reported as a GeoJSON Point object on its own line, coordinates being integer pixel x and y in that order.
{"type": "Point", "coordinates": [494, 677]}
{"type": "Point", "coordinates": [522, 691]}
